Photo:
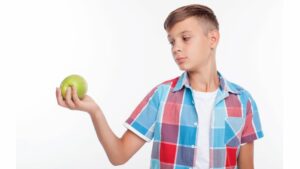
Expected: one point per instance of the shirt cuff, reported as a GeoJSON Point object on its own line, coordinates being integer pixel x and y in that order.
{"type": "Point", "coordinates": [129, 127]}
{"type": "Point", "coordinates": [242, 144]}
{"type": "Point", "coordinates": [252, 137]}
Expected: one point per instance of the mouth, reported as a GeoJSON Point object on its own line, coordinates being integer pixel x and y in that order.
{"type": "Point", "coordinates": [180, 60]}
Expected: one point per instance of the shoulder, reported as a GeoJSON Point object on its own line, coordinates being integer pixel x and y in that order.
{"type": "Point", "coordinates": [165, 87]}
{"type": "Point", "coordinates": [244, 95]}
{"type": "Point", "coordinates": [170, 83]}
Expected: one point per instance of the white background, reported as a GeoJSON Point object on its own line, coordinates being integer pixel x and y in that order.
{"type": "Point", "coordinates": [121, 48]}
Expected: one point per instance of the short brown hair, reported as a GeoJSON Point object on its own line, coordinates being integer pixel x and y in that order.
{"type": "Point", "coordinates": [197, 10]}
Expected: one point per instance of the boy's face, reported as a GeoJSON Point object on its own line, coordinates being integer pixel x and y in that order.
{"type": "Point", "coordinates": [192, 44]}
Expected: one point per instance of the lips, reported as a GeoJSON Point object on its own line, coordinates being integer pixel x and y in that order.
{"type": "Point", "coordinates": [180, 59]}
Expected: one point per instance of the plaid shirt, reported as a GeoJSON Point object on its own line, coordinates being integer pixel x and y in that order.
{"type": "Point", "coordinates": [168, 116]}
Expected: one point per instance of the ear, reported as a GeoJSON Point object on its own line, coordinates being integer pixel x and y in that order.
{"type": "Point", "coordinates": [214, 37]}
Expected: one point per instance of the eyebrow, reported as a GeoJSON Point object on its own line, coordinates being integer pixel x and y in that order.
{"type": "Point", "coordinates": [185, 31]}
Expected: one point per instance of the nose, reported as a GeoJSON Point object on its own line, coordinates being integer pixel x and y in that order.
{"type": "Point", "coordinates": [176, 49]}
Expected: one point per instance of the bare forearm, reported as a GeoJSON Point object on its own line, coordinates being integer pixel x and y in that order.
{"type": "Point", "coordinates": [110, 142]}
{"type": "Point", "coordinates": [113, 146]}
{"type": "Point", "coordinates": [245, 167]}
{"type": "Point", "coordinates": [246, 156]}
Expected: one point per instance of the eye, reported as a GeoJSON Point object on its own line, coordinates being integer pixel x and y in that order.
{"type": "Point", "coordinates": [186, 38]}
{"type": "Point", "coordinates": [171, 43]}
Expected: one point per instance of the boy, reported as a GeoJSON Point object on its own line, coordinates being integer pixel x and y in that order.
{"type": "Point", "coordinates": [196, 120]}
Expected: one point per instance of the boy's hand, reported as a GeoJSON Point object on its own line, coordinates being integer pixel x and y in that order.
{"type": "Point", "coordinates": [73, 102]}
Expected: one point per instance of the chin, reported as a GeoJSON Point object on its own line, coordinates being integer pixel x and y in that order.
{"type": "Point", "coordinates": [183, 67]}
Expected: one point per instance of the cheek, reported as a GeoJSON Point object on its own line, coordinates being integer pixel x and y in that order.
{"type": "Point", "coordinates": [203, 49]}
{"type": "Point", "coordinates": [198, 46]}
{"type": "Point", "coordinates": [197, 50]}
{"type": "Point", "coordinates": [199, 54]}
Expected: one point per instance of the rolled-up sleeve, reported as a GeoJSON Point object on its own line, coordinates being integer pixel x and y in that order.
{"type": "Point", "coordinates": [252, 128]}
{"type": "Point", "coordinates": [142, 119]}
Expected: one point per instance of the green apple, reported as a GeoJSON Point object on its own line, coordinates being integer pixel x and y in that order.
{"type": "Point", "coordinates": [76, 81]}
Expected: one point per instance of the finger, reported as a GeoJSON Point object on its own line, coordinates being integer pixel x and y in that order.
{"type": "Point", "coordinates": [59, 98]}
{"type": "Point", "coordinates": [69, 101]}
{"type": "Point", "coordinates": [75, 96]}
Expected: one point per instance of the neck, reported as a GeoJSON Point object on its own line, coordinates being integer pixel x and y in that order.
{"type": "Point", "coordinates": [204, 79]}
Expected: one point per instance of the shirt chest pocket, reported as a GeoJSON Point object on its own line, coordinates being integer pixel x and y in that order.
{"type": "Point", "coordinates": [233, 131]}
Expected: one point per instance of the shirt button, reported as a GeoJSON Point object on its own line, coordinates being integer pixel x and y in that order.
{"type": "Point", "coordinates": [195, 124]}
{"type": "Point", "coordinates": [193, 146]}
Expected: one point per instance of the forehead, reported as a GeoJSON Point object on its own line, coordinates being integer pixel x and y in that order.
{"type": "Point", "coordinates": [189, 25]}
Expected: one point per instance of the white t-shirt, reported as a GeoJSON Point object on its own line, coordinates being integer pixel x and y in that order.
{"type": "Point", "coordinates": [204, 103]}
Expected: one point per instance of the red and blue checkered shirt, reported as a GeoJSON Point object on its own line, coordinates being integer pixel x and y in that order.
{"type": "Point", "coordinates": [168, 116]}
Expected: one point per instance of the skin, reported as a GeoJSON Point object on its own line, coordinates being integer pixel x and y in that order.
{"type": "Point", "coordinates": [193, 47]}
{"type": "Point", "coordinates": [118, 150]}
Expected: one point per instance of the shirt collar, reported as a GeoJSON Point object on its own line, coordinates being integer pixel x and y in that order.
{"type": "Point", "coordinates": [225, 85]}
